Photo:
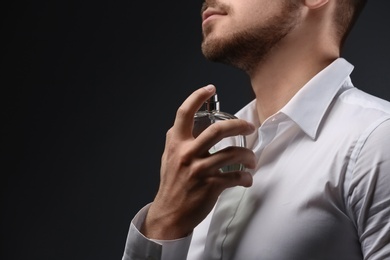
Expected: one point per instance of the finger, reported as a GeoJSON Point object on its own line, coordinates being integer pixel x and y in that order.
{"type": "Point", "coordinates": [232, 155]}
{"type": "Point", "coordinates": [184, 120]}
{"type": "Point", "coordinates": [232, 179]}
{"type": "Point", "coordinates": [222, 129]}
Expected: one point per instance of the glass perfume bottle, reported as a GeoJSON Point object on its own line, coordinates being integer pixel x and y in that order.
{"type": "Point", "coordinates": [209, 114]}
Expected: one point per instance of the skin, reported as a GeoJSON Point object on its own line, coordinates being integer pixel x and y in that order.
{"type": "Point", "coordinates": [190, 180]}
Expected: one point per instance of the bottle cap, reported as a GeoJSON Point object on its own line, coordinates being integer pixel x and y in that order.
{"type": "Point", "coordinates": [212, 104]}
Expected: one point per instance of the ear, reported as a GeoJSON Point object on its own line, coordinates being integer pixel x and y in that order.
{"type": "Point", "coordinates": [314, 4]}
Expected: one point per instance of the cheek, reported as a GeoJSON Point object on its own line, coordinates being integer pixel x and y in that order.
{"type": "Point", "coordinates": [257, 11]}
{"type": "Point", "coordinates": [249, 13]}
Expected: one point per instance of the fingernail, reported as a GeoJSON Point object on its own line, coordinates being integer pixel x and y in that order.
{"type": "Point", "coordinates": [210, 88]}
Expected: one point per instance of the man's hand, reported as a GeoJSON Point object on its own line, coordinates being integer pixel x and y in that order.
{"type": "Point", "coordinates": [190, 177]}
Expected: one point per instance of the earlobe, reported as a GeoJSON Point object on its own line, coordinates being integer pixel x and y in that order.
{"type": "Point", "coordinates": [314, 4]}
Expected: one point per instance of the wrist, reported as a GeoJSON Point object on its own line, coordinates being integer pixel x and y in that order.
{"type": "Point", "coordinates": [160, 225]}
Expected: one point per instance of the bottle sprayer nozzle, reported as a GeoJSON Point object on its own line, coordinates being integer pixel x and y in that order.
{"type": "Point", "coordinates": [212, 104]}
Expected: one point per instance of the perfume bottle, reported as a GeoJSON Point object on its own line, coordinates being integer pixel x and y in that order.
{"type": "Point", "coordinates": [209, 114]}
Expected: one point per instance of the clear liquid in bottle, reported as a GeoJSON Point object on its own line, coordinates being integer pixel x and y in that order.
{"type": "Point", "coordinates": [209, 114]}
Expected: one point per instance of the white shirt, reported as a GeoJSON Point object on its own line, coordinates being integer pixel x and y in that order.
{"type": "Point", "coordinates": [321, 188]}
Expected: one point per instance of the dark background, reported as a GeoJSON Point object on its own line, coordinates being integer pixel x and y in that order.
{"type": "Point", "coordinates": [88, 91]}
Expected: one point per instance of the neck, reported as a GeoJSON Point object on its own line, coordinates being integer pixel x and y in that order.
{"type": "Point", "coordinates": [289, 66]}
{"type": "Point", "coordinates": [297, 58]}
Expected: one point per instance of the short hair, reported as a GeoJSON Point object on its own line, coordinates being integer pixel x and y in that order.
{"type": "Point", "coordinates": [346, 14]}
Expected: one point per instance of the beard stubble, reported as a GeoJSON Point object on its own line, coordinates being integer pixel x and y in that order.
{"type": "Point", "coordinates": [248, 48]}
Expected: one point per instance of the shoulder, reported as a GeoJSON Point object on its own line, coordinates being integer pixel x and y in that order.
{"type": "Point", "coordinates": [365, 102]}
{"type": "Point", "coordinates": [357, 112]}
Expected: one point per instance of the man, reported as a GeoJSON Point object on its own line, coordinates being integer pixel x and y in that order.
{"type": "Point", "coordinates": [317, 178]}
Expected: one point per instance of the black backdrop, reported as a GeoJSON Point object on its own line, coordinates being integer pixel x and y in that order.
{"type": "Point", "coordinates": [88, 90]}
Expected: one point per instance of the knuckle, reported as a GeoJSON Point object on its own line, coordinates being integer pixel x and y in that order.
{"type": "Point", "coordinates": [181, 155]}
{"type": "Point", "coordinates": [197, 167]}
{"type": "Point", "coordinates": [169, 133]}
{"type": "Point", "coordinates": [186, 160]}
{"type": "Point", "coordinates": [181, 112]}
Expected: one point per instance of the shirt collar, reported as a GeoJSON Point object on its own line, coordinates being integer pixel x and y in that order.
{"type": "Point", "coordinates": [311, 102]}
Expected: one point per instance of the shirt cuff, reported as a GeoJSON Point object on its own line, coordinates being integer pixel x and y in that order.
{"type": "Point", "coordinates": [140, 247]}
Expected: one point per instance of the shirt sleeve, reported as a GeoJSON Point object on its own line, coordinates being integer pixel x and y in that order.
{"type": "Point", "coordinates": [369, 193]}
{"type": "Point", "coordinates": [139, 247]}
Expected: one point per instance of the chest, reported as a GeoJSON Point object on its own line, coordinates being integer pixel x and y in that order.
{"type": "Point", "coordinates": [294, 209]}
